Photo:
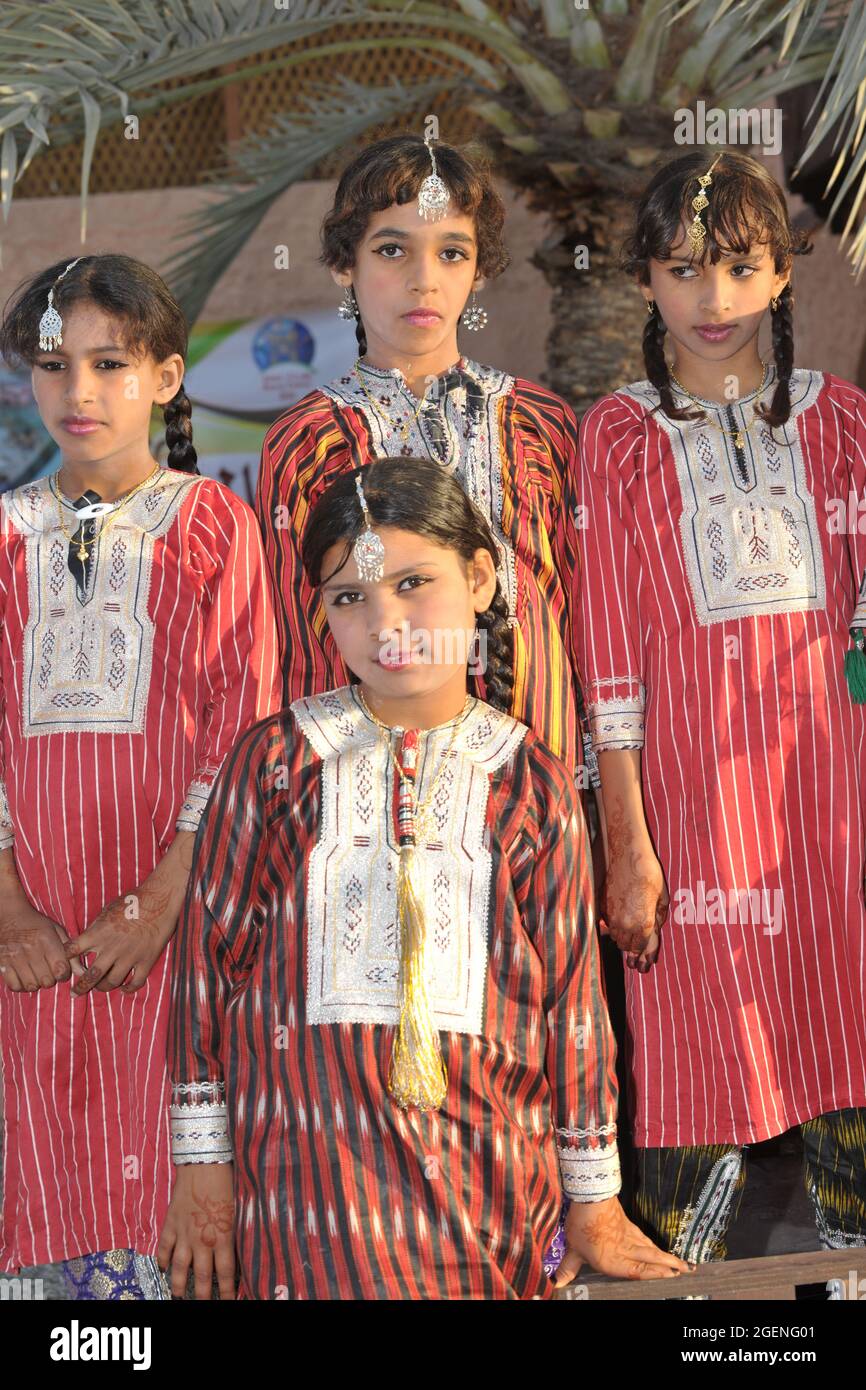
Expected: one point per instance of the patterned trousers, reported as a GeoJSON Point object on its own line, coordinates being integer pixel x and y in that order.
{"type": "Point", "coordinates": [687, 1197]}
{"type": "Point", "coordinates": [109, 1275]}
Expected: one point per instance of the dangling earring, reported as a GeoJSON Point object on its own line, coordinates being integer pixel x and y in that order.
{"type": "Point", "coordinates": [348, 307]}
{"type": "Point", "coordinates": [650, 306]}
{"type": "Point", "coordinates": [774, 303]}
{"type": "Point", "coordinates": [475, 651]}
{"type": "Point", "coordinates": [475, 316]}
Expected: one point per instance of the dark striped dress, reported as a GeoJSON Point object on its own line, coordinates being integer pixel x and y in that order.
{"type": "Point", "coordinates": [286, 999]}
{"type": "Point", "coordinates": [513, 447]}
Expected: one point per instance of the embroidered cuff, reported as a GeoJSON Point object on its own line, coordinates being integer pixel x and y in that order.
{"type": "Point", "coordinates": [194, 803]}
{"type": "Point", "coordinates": [199, 1123]}
{"type": "Point", "coordinates": [590, 762]}
{"type": "Point", "coordinates": [615, 708]}
{"type": "Point", "coordinates": [7, 829]}
{"type": "Point", "coordinates": [588, 1174]}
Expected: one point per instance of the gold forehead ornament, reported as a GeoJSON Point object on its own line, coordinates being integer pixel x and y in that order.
{"type": "Point", "coordinates": [697, 232]}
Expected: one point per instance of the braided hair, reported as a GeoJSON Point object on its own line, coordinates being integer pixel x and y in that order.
{"type": "Point", "coordinates": [360, 330]}
{"type": "Point", "coordinates": [178, 433]}
{"type": "Point", "coordinates": [746, 207]}
{"type": "Point", "coordinates": [416, 495]}
{"type": "Point", "coordinates": [149, 317]}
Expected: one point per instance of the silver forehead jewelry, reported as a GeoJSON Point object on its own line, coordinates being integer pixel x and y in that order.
{"type": "Point", "coordinates": [51, 324]}
{"type": "Point", "coordinates": [368, 550]}
{"type": "Point", "coordinates": [433, 195]}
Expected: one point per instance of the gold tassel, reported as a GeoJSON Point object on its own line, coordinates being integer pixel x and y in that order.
{"type": "Point", "coordinates": [417, 1076]}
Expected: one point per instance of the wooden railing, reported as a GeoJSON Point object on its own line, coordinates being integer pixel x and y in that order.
{"type": "Point", "coordinates": [769, 1277]}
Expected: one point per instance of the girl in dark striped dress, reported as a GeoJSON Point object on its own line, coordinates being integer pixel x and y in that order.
{"type": "Point", "coordinates": [411, 267]}
{"type": "Point", "coordinates": [390, 1050]}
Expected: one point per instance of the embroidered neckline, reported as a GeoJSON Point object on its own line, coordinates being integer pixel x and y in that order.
{"type": "Point", "coordinates": [740, 400]}
{"type": "Point", "coordinates": [55, 490]}
{"type": "Point", "coordinates": [335, 722]}
{"type": "Point", "coordinates": [146, 511]}
{"type": "Point", "coordinates": [464, 714]}
{"type": "Point", "coordinates": [457, 370]}
{"type": "Point", "coordinates": [805, 388]}
{"type": "Point", "coordinates": [488, 380]}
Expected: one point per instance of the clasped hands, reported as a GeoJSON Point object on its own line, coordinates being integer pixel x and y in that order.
{"type": "Point", "coordinates": [634, 906]}
{"type": "Point", "coordinates": [124, 941]}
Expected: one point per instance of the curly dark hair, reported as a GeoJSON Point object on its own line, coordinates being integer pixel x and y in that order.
{"type": "Point", "coordinates": [392, 171]}
{"type": "Point", "coordinates": [416, 495]}
{"type": "Point", "coordinates": [746, 207]}
{"type": "Point", "coordinates": [148, 316]}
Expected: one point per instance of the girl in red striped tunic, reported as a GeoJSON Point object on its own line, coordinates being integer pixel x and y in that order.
{"type": "Point", "coordinates": [138, 641]}
{"type": "Point", "coordinates": [722, 553]}
{"type": "Point", "coordinates": [411, 256]}
{"type": "Point", "coordinates": [390, 1050]}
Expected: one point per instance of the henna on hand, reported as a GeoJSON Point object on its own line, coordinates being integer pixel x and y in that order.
{"type": "Point", "coordinates": [635, 896]}
{"type": "Point", "coordinates": [215, 1217]}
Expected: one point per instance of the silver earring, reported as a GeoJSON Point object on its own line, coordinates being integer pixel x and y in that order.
{"type": "Point", "coordinates": [475, 316]}
{"type": "Point", "coordinates": [348, 307]}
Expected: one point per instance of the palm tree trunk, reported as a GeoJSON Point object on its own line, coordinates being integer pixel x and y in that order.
{"type": "Point", "coordinates": [598, 313]}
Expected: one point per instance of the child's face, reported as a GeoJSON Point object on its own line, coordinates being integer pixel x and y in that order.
{"type": "Point", "coordinates": [95, 398]}
{"type": "Point", "coordinates": [404, 264]}
{"type": "Point", "coordinates": [409, 634]}
{"type": "Point", "coordinates": [733, 295]}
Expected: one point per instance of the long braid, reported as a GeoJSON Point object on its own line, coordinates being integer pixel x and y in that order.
{"type": "Point", "coordinates": [178, 433]}
{"type": "Point", "coordinates": [361, 335]}
{"type": "Point", "coordinates": [657, 368]}
{"type": "Point", "coordinates": [782, 321]}
{"type": "Point", "coordinates": [499, 671]}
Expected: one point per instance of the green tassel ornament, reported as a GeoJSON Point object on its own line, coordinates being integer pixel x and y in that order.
{"type": "Point", "coordinates": [855, 667]}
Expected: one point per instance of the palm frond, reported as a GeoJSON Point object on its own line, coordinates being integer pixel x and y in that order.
{"type": "Point", "coordinates": [814, 40]}
{"type": "Point", "coordinates": [67, 71]}
{"type": "Point", "coordinates": [636, 81]}
{"type": "Point", "coordinates": [76, 70]}
{"type": "Point", "coordinates": [261, 167]}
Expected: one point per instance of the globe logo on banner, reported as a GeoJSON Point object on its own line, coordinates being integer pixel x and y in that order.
{"type": "Point", "coordinates": [282, 340]}
{"type": "Point", "coordinates": [242, 373]}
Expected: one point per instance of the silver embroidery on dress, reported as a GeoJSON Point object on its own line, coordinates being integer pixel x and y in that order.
{"type": "Point", "coordinates": [749, 528]}
{"type": "Point", "coordinates": [87, 656]}
{"type": "Point", "coordinates": [440, 433]}
{"type": "Point", "coordinates": [353, 946]}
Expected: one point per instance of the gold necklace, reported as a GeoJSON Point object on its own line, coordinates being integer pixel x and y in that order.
{"type": "Point", "coordinates": [420, 809]}
{"type": "Point", "coordinates": [739, 434]}
{"type": "Point", "coordinates": [404, 429]}
{"type": "Point", "coordinates": [109, 519]}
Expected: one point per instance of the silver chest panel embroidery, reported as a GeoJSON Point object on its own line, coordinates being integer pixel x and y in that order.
{"type": "Point", "coordinates": [476, 463]}
{"type": "Point", "coordinates": [753, 545]}
{"type": "Point", "coordinates": [353, 940]}
{"type": "Point", "coordinates": [87, 658]}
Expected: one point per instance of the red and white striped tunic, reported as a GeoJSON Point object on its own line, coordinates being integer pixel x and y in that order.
{"type": "Point", "coordinates": [719, 585]}
{"type": "Point", "coordinates": [120, 703]}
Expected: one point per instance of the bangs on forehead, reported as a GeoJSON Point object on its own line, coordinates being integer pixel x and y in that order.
{"type": "Point", "coordinates": [127, 333]}
{"type": "Point", "coordinates": [406, 189]}
{"type": "Point", "coordinates": [734, 224]}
